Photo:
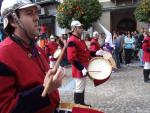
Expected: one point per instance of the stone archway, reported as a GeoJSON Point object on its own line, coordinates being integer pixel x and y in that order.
{"type": "Point", "coordinates": [126, 24]}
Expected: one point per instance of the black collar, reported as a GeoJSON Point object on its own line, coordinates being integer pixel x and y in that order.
{"type": "Point", "coordinates": [28, 47]}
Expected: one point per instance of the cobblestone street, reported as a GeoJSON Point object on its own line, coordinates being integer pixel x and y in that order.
{"type": "Point", "coordinates": [124, 92]}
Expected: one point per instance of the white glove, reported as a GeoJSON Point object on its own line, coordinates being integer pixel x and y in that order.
{"type": "Point", "coordinates": [84, 72]}
{"type": "Point", "coordinates": [99, 53]}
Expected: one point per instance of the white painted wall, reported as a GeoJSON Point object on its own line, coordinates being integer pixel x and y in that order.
{"type": "Point", "coordinates": [59, 31]}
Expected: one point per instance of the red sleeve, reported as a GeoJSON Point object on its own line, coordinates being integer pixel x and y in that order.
{"type": "Point", "coordinates": [71, 51]}
{"type": "Point", "coordinates": [93, 47]}
{"type": "Point", "coordinates": [145, 44]}
{"type": "Point", "coordinates": [7, 93]}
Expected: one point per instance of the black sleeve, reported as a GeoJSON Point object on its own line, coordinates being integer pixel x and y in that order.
{"type": "Point", "coordinates": [30, 101]}
{"type": "Point", "coordinates": [78, 65]}
{"type": "Point", "coordinates": [148, 49]}
{"type": "Point", "coordinates": [5, 70]}
{"type": "Point", "coordinates": [93, 54]}
{"type": "Point", "coordinates": [71, 44]}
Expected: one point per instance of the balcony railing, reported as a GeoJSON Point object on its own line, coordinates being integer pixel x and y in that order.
{"type": "Point", "coordinates": [46, 0]}
{"type": "Point", "coordinates": [124, 2]}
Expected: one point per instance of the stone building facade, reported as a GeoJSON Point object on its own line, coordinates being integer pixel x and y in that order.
{"type": "Point", "coordinates": [118, 16]}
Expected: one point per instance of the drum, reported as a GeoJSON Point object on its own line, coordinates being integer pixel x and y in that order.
{"type": "Point", "coordinates": [75, 108]}
{"type": "Point", "coordinates": [57, 53]}
{"type": "Point", "coordinates": [109, 57]}
{"type": "Point", "coordinates": [99, 68]}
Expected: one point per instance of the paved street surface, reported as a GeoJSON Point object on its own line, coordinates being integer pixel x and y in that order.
{"type": "Point", "coordinates": [124, 92]}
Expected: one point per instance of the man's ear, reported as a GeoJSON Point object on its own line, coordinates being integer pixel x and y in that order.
{"type": "Point", "coordinates": [13, 23]}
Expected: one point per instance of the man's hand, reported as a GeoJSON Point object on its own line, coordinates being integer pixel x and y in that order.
{"type": "Point", "coordinates": [52, 81]}
{"type": "Point", "coordinates": [84, 72]}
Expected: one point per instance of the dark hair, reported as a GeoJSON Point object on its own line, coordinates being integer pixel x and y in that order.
{"type": "Point", "coordinates": [9, 29]}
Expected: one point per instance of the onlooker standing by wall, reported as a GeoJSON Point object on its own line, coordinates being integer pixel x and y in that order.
{"type": "Point", "coordinates": [102, 39]}
{"type": "Point", "coordinates": [116, 49]}
{"type": "Point", "coordinates": [128, 45]}
{"type": "Point", "coordinates": [121, 42]}
{"type": "Point", "coordinates": [136, 49]}
{"type": "Point", "coordinates": [139, 45]}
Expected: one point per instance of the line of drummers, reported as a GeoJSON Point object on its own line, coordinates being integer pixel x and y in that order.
{"type": "Point", "coordinates": [53, 44]}
{"type": "Point", "coordinates": [124, 47]}
{"type": "Point", "coordinates": [106, 54]}
{"type": "Point", "coordinates": [96, 59]}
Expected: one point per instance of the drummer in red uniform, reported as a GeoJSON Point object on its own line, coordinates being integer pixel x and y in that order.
{"type": "Point", "coordinates": [23, 68]}
{"type": "Point", "coordinates": [146, 57]}
{"type": "Point", "coordinates": [51, 47]}
{"type": "Point", "coordinates": [79, 56]}
{"type": "Point", "coordinates": [94, 44]}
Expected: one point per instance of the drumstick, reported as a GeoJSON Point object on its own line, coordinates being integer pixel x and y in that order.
{"type": "Point", "coordinates": [94, 71]}
{"type": "Point", "coordinates": [45, 91]}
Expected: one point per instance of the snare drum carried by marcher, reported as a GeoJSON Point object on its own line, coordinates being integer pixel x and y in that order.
{"type": "Point", "coordinates": [75, 108]}
{"type": "Point", "coordinates": [99, 68]}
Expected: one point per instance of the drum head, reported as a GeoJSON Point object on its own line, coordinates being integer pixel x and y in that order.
{"type": "Point", "coordinates": [99, 68]}
{"type": "Point", "coordinates": [57, 53]}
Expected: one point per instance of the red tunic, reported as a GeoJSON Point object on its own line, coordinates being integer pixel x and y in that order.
{"type": "Point", "coordinates": [146, 46]}
{"type": "Point", "coordinates": [43, 29]}
{"type": "Point", "coordinates": [94, 45]}
{"type": "Point", "coordinates": [51, 47]}
{"type": "Point", "coordinates": [28, 74]}
{"type": "Point", "coordinates": [78, 52]}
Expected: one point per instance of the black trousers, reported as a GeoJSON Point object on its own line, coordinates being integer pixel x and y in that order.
{"type": "Point", "coordinates": [128, 55]}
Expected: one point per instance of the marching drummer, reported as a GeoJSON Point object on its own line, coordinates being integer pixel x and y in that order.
{"type": "Point", "coordinates": [79, 56]}
{"type": "Point", "coordinates": [94, 44]}
{"type": "Point", "coordinates": [23, 67]}
{"type": "Point", "coordinates": [50, 49]}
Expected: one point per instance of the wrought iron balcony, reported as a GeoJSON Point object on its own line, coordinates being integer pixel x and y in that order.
{"type": "Point", "coordinates": [46, 2]}
{"type": "Point", "coordinates": [125, 2]}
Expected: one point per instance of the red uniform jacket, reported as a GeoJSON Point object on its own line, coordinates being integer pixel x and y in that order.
{"type": "Point", "coordinates": [146, 49]}
{"type": "Point", "coordinates": [51, 47]}
{"type": "Point", "coordinates": [78, 54]}
{"type": "Point", "coordinates": [94, 45]}
{"type": "Point", "coordinates": [21, 77]}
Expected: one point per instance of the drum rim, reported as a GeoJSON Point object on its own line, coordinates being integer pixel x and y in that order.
{"type": "Point", "coordinates": [57, 50]}
{"type": "Point", "coordinates": [99, 58]}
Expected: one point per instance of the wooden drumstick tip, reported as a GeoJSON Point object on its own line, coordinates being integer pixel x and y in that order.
{"type": "Point", "coordinates": [46, 88]}
{"type": "Point", "coordinates": [45, 91]}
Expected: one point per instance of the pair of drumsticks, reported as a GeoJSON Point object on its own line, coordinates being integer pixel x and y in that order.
{"type": "Point", "coordinates": [46, 88]}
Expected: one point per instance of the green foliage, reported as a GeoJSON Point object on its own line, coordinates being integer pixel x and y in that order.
{"type": "Point", "coordinates": [142, 12]}
{"type": "Point", "coordinates": [86, 11]}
